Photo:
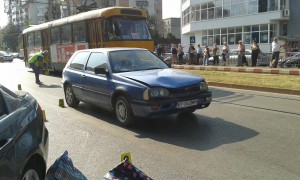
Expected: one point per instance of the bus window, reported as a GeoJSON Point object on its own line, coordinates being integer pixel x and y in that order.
{"type": "Point", "coordinates": [133, 28]}
{"type": "Point", "coordinates": [66, 34]}
{"type": "Point", "coordinates": [37, 38]}
{"type": "Point", "coordinates": [79, 32]}
{"type": "Point", "coordinates": [30, 40]}
{"type": "Point", "coordinates": [112, 30]}
{"type": "Point", "coordinates": [55, 35]}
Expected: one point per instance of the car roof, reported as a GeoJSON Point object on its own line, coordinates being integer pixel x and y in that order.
{"type": "Point", "coordinates": [110, 49]}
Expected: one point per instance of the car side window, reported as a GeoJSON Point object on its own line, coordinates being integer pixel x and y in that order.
{"type": "Point", "coordinates": [96, 60]}
{"type": "Point", "coordinates": [79, 60]}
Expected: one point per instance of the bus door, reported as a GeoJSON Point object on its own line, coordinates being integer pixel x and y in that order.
{"type": "Point", "coordinates": [46, 46]}
{"type": "Point", "coordinates": [95, 40]}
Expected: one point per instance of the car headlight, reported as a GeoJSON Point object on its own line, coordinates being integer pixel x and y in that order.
{"type": "Point", "coordinates": [155, 93]}
{"type": "Point", "coordinates": [203, 86]}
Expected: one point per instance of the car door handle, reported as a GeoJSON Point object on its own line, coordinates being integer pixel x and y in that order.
{"type": "Point", "coordinates": [5, 144]}
{"type": "Point", "coordinates": [83, 76]}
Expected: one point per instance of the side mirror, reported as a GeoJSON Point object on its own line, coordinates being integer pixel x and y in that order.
{"type": "Point", "coordinates": [101, 70]}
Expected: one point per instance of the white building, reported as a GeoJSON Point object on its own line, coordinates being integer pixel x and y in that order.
{"type": "Point", "coordinates": [218, 21]}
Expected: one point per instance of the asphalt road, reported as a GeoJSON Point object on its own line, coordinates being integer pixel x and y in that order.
{"type": "Point", "coordinates": [242, 135]}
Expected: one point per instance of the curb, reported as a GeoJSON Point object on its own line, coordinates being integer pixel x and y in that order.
{"type": "Point", "coordinates": [256, 88]}
{"type": "Point", "coordinates": [240, 69]}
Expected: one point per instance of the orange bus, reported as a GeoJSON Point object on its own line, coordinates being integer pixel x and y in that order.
{"type": "Point", "coordinates": [107, 27]}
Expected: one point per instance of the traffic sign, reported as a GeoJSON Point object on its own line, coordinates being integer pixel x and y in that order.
{"type": "Point", "coordinates": [192, 39]}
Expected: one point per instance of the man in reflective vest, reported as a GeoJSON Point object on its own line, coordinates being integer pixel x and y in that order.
{"type": "Point", "coordinates": [34, 62]}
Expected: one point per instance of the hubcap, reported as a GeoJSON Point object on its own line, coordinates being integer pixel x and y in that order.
{"type": "Point", "coordinates": [31, 175]}
{"type": "Point", "coordinates": [69, 95]}
{"type": "Point", "coordinates": [121, 111]}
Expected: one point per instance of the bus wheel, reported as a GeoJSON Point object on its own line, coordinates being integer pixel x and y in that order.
{"type": "Point", "coordinates": [70, 97]}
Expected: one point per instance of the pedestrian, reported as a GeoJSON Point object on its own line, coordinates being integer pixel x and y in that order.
{"type": "Point", "coordinates": [241, 54]}
{"type": "Point", "coordinates": [225, 53]}
{"type": "Point", "coordinates": [275, 52]}
{"type": "Point", "coordinates": [159, 51]}
{"type": "Point", "coordinates": [180, 54]}
{"type": "Point", "coordinates": [35, 62]}
{"type": "Point", "coordinates": [199, 54]}
{"type": "Point", "coordinates": [174, 54]}
{"type": "Point", "coordinates": [215, 50]}
{"type": "Point", "coordinates": [206, 55]}
{"type": "Point", "coordinates": [254, 53]}
{"type": "Point", "coordinates": [191, 53]}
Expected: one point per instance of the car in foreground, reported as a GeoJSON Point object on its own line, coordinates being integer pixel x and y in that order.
{"type": "Point", "coordinates": [262, 59]}
{"type": "Point", "coordinates": [23, 137]}
{"type": "Point", "coordinates": [291, 61]}
{"type": "Point", "coordinates": [4, 57]}
{"type": "Point", "coordinates": [132, 82]}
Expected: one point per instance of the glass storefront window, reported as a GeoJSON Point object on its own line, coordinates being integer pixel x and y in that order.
{"type": "Point", "coordinates": [239, 29]}
{"type": "Point", "coordinates": [218, 12]}
{"type": "Point", "coordinates": [247, 28]}
{"type": "Point", "coordinates": [224, 31]}
{"type": "Point", "coordinates": [263, 37]}
{"type": "Point", "coordinates": [231, 30]}
{"type": "Point", "coordinates": [210, 32]}
{"type": "Point", "coordinates": [238, 37]}
{"type": "Point", "coordinates": [255, 28]}
{"type": "Point", "coordinates": [264, 27]}
{"type": "Point", "coordinates": [247, 38]}
{"type": "Point", "coordinates": [204, 40]}
{"type": "Point", "coordinates": [223, 38]}
{"type": "Point", "coordinates": [255, 36]}
{"type": "Point", "coordinates": [231, 38]}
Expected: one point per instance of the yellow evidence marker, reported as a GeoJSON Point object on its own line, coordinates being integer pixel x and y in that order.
{"type": "Point", "coordinates": [19, 87]}
{"type": "Point", "coordinates": [61, 103]}
{"type": "Point", "coordinates": [127, 156]}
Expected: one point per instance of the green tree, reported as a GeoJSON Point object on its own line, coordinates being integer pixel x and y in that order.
{"type": "Point", "coordinates": [170, 36]}
{"type": "Point", "coordinates": [10, 35]}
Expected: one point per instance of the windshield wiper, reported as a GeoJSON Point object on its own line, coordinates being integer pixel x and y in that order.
{"type": "Point", "coordinates": [153, 68]}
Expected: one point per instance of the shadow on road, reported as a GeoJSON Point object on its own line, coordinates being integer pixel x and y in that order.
{"type": "Point", "coordinates": [191, 131]}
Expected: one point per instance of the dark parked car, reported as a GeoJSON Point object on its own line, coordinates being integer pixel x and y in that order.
{"type": "Point", "coordinates": [132, 82]}
{"type": "Point", "coordinates": [292, 61]}
{"type": "Point", "coordinates": [4, 56]}
{"type": "Point", "coordinates": [23, 137]}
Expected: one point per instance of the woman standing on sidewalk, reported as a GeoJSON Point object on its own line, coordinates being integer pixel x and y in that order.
{"type": "Point", "coordinates": [205, 55]}
{"type": "Point", "coordinates": [254, 53]}
{"type": "Point", "coordinates": [225, 53]}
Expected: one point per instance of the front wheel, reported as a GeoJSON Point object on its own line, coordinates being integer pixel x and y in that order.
{"type": "Point", "coordinates": [33, 171]}
{"type": "Point", "coordinates": [70, 97]}
{"type": "Point", "coordinates": [123, 111]}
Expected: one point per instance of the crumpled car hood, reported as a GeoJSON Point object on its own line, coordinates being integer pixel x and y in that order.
{"type": "Point", "coordinates": [168, 78]}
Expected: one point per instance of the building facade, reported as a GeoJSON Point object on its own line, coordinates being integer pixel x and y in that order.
{"type": "Point", "coordinates": [172, 25]}
{"type": "Point", "coordinates": [218, 21]}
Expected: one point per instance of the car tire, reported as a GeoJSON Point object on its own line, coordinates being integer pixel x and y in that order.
{"type": "Point", "coordinates": [123, 111]}
{"type": "Point", "coordinates": [33, 171]}
{"type": "Point", "coordinates": [70, 97]}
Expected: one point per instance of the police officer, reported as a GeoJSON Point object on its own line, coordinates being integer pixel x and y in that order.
{"type": "Point", "coordinates": [34, 64]}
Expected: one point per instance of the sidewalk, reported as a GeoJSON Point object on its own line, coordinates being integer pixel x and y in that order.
{"type": "Point", "coordinates": [259, 70]}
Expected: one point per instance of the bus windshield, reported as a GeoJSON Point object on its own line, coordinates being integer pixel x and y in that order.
{"type": "Point", "coordinates": [127, 29]}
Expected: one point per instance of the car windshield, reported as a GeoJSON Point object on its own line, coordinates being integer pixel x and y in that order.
{"type": "Point", "coordinates": [3, 53]}
{"type": "Point", "coordinates": [134, 60]}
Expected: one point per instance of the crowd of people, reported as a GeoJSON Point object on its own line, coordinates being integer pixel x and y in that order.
{"type": "Point", "coordinates": [200, 55]}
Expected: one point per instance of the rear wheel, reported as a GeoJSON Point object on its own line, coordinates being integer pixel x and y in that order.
{"type": "Point", "coordinates": [123, 111]}
{"type": "Point", "coordinates": [70, 97]}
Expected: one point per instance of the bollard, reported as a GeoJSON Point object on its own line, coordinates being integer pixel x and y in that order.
{"type": "Point", "coordinates": [19, 87]}
{"type": "Point", "coordinates": [61, 103]}
{"type": "Point", "coordinates": [44, 115]}
{"type": "Point", "coordinates": [125, 156]}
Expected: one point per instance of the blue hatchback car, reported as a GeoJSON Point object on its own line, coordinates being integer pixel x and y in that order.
{"type": "Point", "coordinates": [132, 82]}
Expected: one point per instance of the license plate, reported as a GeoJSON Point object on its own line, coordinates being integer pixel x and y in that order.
{"type": "Point", "coordinates": [189, 103]}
